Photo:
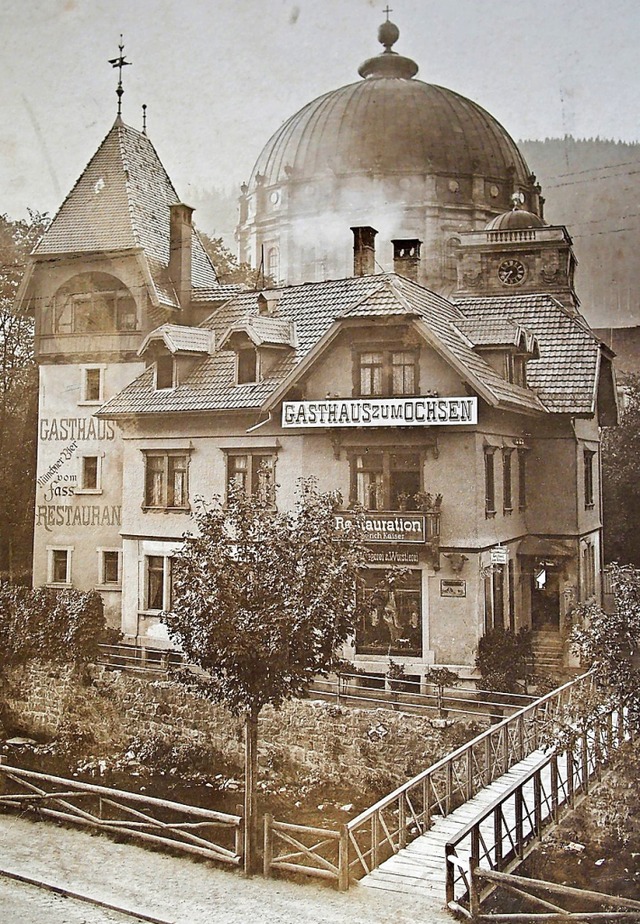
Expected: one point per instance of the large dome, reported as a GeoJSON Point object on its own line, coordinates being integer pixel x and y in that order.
{"type": "Point", "coordinates": [391, 125]}
{"type": "Point", "coordinates": [413, 160]}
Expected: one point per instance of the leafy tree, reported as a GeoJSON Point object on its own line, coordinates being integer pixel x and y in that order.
{"type": "Point", "coordinates": [621, 480]}
{"type": "Point", "coordinates": [18, 399]}
{"type": "Point", "coordinates": [441, 678]}
{"type": "Point", "coordinates": [262, 602]}
{"type": "Point", "coordinates": [610, 642]}
{"type": "Point", "coordinates": [229, 270]}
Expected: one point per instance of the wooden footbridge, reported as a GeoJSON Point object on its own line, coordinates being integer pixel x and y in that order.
{"type": "Point", "coordinates": [484, 806]}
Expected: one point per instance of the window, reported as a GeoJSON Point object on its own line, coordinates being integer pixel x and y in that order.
{"type": "Point", "coordinates": [93, 303]}
{"type": "Point", "coordinates": [166, 480]}
{"type": "Point", "coordinates": [158, 582]}
{"type": "Point", "coordinates": [247, 368]}
{"type": "Point", "coordinates": [253, 473]}
{"type": "Point", "coordinates": [109, 566]}
{"type": "Point", "coordinates": [273, 263]}
{"type": "Point", "coordinates": [507, 500]}
{"type": "Point", "coordinates": [588, 575]}
{"type": "Point", "coordinates": [387, 372]}
{"type": "Point", "coordinates": [494, 598]}
{"type": "Point", "coordinates": [511, 579]}
{"type": "Point", "coordinates": [489, 482]}
{"type": "Point", "coordinates": [165, 371]}
{"type": "Point", "coordinates": [393, 622]}
{"type": "Point", "coordinates": [91, 385]}
{"type": "Point", "coordinates": [90, 474]}
{"type": "Point", "coordinates": [522, 479]}
{"type": "Point", "coordinates": [59, 565]}
{"type": "Point", "coordinates": [588, 478]}
{"type": "Point", "coordinates": [386, 480]}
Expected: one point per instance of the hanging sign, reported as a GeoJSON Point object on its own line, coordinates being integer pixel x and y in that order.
{"type": "Point", "coordinates": [380, 412]}
{"type": "Point", "coordinates": [499, 555]}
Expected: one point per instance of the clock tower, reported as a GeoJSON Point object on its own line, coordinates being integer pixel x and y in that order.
{"type": "Point", "coordinates": [517, 253]}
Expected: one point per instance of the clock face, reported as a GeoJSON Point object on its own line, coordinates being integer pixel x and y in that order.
{"type": "Point", "coordinates": [512, 272]}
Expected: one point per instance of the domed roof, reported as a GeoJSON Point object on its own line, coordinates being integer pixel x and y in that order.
{"type": "Point", "coordinates": [515, 220]}
{"type": "Point", "coordinates": [389, 123]}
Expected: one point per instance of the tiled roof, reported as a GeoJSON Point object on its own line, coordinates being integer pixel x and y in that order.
{"type": "Point", "coordinates": [315, 308]}
{"type": "Point", "coordinates": [121, 201]}
{"type": "Point", "coordinates": [490, 331]}
{"type": "Point", "coordinates": [179, 339]}
{"type": "Point", "coordinates": [564, 376]}
{"type": "Point", "coordinates": [262, 330]}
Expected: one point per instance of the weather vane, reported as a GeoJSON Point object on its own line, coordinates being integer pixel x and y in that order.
{"type": "Point", "coordinates": [119, 62]}
{"type": "Point", "coordinates": [387, 10]}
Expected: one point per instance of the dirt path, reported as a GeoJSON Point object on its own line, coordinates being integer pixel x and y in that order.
{"type": "Point", "coordinates": [181, 891]}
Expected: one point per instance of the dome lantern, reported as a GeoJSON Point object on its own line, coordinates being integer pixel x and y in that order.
{"type": "Point", "coordinates": [389, 63]}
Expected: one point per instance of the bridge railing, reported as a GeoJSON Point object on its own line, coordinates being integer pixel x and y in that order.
{"type": "Point", "coordinates": [506, 831]}
{"type": "Point", "coordinates": [391, 823]}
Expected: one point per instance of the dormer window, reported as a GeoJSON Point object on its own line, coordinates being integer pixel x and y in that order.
{"type": "Point", "coordinates": [247, 366]}
{"type": "Point", "coordinates": [165, 372]}
{"type": "Point", "coordinates": [516, 368]}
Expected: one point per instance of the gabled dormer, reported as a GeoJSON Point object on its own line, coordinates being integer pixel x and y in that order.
{"type": "Point", "coordinates": [174, 351]}
{"type": "Point", "coordinates": [504, 344]}
{"type": "Point", "coordinates": [259, 341]}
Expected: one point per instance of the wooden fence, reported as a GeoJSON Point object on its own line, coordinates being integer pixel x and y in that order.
{"type": "Point", "coordinates": [499, 838]}
{"type": "Point", "coordinates": [187, 828]}
{"type": "Point", "coordinates": [406, 813]}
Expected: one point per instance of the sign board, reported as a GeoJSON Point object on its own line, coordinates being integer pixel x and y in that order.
{"type": "Point", "coordinates": [386, 527]}
{"type": "Point", "coordinates": [453, 588]}
{"type": "Point", "coordinates": [379, 412]}
{"type": "Point", "coordinates": [499, 555]}
{"type": "Point", "coordinates": [392, 555]}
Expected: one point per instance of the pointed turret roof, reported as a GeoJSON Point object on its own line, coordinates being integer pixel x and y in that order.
{"type": "Point", "coordinates": [120, 202]}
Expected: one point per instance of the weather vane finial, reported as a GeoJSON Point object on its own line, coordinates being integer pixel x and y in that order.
{"type": "Point", "coordinates": [387, 10]}
{"type": "Point", "coordinates": [119, 62]}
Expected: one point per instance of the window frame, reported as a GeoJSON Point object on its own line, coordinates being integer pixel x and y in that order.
{"type": "Point", "coordinates": [159, 374]}
{"type": "Point", "coordinates": [166, 586]}
{"type": "Point", "coordinates": [86, 399]}
{"type": "Point", "coordinates": [386, 366]}
{"type": "Point", "coordinates": [102, 569]}
{"type": "Point", "coordinates": [507, 481]}
{"type": "Point", "coordinates": [489, 482]}
{"type": "Point", "coordinates": [254, 369]}
{"type": "Point", "coordinates": [165, 456]}
{"type": "Point", "coordinates": [82, 487]}
{"type": "Point", "coordinates": [381, 459]}
{"type": "Point", "coordinates": [522, 479]}
{"type": "Point", "coordinates": [254, 457]}
{"type": "Point", "coordinates": [588, 456]}
{"type": "Point", "coordinates": [405, 601]}
{"type": "Point", "coordinates": [52, 550]}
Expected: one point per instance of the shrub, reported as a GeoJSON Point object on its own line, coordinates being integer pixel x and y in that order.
{"type": "Point", "coordinates": [504, 659]}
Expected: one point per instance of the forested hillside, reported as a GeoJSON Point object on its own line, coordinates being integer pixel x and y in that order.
{"type": "Point", "coordinates": [593, 187]}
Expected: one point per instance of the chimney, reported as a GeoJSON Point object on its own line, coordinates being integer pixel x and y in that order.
{"type": "Point", "coordinates": [364, 251]}
{"type": "Point", "coordinates": [406, 258]}
{"type": "Point", "coordinates": [180, 236]}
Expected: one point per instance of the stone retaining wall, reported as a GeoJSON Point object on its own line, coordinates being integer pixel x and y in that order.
{"type": "Point", "coordinates": [312, 739]}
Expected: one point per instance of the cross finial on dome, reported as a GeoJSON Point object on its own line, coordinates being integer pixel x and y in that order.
{"type": "Point", "coordinates": [387, 10]}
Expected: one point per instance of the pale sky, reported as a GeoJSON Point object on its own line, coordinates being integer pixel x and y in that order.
{"type": "Point", "coordinates": [220, 77]}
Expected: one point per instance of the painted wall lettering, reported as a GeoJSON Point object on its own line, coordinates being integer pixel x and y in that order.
{"type": "Point", "coordinates": [65, 455]}
{"type": "Point", "coordinates": [52, 515]}
{"type": "Point", "coordinates": [76, 428]}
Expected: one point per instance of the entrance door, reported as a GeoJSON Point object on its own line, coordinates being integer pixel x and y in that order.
{"type": "Point", "coordinates": [545, 596]}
